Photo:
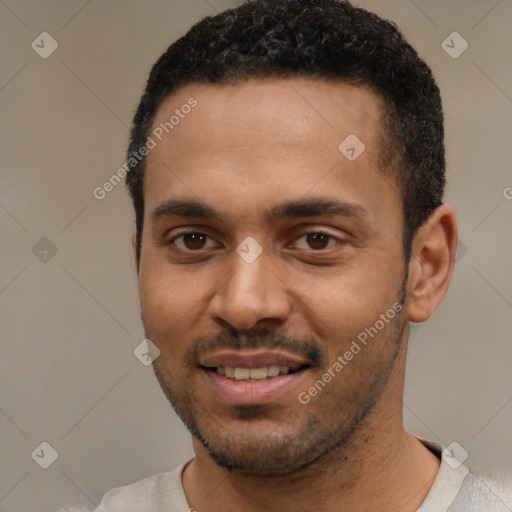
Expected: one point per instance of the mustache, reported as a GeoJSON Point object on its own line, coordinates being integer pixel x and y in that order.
{"type": "Point", "coordinates": [307, 348]}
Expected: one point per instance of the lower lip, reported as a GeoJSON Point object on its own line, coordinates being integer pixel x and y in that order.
{"type": "Point", "coordinates": [252, 393]}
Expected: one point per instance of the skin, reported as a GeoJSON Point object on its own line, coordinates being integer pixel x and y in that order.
{"type": "Point", "coordinates": [244, 149]}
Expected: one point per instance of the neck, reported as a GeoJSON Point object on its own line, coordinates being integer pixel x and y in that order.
{"type": "Point", "coordinates": [382, 468]}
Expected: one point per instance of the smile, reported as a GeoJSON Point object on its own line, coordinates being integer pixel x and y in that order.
{"type": "Point", "coordinates": [252, 374]}
{"type": "Point", "coordinates": [252, 377]}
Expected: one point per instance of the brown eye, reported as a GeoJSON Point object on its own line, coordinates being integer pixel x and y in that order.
{"type": "Point", "coordinates": [317, 240]}
{"type": "Point", "coordinates": [192, 241]}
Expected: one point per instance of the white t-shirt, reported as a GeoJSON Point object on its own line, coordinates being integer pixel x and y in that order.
{"type": "Point", "coordinates": [455, 489]}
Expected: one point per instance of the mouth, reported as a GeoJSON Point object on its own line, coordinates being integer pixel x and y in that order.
{"type": "Point", "coordinates": [252, 378]}
{"type": "Point", "coordinates": [254, 374]}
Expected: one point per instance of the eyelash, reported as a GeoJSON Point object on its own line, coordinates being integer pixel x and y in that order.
{"type": "Point", "coordinates": [337, 240]}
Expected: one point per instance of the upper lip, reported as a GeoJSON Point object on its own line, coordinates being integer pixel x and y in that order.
{"type": "Point", "coordinates": [252, 359]}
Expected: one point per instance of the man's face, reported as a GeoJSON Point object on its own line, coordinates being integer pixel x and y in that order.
{"type": "Point", "coordinates": [261, 160]}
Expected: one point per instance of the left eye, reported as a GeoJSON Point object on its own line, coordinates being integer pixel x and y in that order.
{"type": "Point", "coordinates": [191, 241]}
{"type": "Point", "coordinates": [317, 241]}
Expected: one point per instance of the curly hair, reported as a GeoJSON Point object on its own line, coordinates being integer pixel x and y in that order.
{"type": "Point", "coordinates": [329, 39]}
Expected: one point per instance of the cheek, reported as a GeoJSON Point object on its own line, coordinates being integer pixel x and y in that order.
{"type": "Point", "coordinates": [167, 297]}
{"type": "Point", "coordinates": [348, 299]}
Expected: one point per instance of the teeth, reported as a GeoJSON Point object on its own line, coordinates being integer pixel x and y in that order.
{"type": "Point", "coordinates": [273, 371]}
{"type": "Point", "coordinates": [252, 374]}
{"type": "Point", "coordinates": [258, 373]}
{"type": "Point", "coordinates": [242, 373]}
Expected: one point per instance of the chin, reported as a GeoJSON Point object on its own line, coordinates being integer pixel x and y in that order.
{"type": "Point", "coordinates": [263, 454]}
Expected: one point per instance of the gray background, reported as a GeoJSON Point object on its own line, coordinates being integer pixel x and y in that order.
{"type": "Point", "coordinates": [70, 320]}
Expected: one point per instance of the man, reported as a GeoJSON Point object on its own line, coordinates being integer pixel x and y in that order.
{"type": "Point", "coordinates": [287, 172]}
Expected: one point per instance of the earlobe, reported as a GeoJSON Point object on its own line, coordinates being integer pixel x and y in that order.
{"type": "Point", "coordinates": [432, 261]}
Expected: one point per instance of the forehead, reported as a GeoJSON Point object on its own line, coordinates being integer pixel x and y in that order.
{"type": "Point", "coordinates": [275, 137]}
{"type": "Point", "coordinates": [278, 110]}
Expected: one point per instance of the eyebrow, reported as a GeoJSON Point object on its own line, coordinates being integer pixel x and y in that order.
{"type": "Point", "coordinates": [311, 207]}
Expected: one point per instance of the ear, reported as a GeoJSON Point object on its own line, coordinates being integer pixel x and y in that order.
{"type": "Point", "coordinates": [431, 265]}
{"type": "Point", "coordinates": [134, 249]}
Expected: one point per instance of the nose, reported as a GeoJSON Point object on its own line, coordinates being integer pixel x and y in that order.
{"type": "Point", "coordinates": [250, 295]}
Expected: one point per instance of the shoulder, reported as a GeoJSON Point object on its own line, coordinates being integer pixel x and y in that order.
{"type": "Point", "coordinates": [485, 493]}
{"type": "Point", "coordinates": [458, 488]}
{"type": "Point", "coordinates": [134, 496]}
{"type": "Point", "coordinates": [128, 498]}
{"type": "Point", "coordinates": [150, 493]}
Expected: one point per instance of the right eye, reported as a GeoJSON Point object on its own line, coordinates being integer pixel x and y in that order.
{"type": "Point", "coordinates": [191, 241]}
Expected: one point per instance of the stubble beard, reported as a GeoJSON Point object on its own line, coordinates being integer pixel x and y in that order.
{"type": "Point", "coordinates": [287, 449]}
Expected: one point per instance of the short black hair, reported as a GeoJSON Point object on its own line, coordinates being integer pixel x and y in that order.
{"type": "Point", "coordinates": [328, 39]}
